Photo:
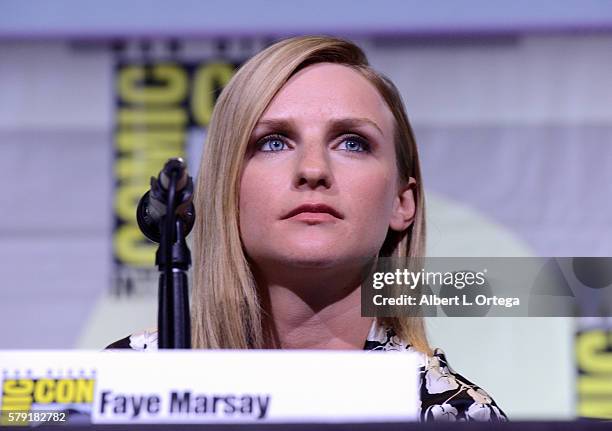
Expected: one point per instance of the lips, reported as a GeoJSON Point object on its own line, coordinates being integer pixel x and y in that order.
{"type": "Point", "coordinates": [314, 208]}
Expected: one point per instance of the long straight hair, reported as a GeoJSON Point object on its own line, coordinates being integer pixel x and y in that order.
{"type": "Point", "coordinates": [226, 307]}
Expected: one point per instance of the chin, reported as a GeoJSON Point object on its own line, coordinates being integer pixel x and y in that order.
{"type": "Point", "coordinates": [312, 259]}
{"type": "Point", "coordinates": [322, 257]}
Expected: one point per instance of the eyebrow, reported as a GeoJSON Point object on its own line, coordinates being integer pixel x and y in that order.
{"type": "Point", "coordinates": [337, 123]}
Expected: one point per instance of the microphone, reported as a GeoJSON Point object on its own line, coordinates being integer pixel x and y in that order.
{"type": "Point", "coordinates": [153, 205]}
{"type": "Point", "coordinates": [166, 215]}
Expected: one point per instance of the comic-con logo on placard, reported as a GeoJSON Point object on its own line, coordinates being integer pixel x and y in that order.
{"type": "Point", "coordinates": [24, 395]}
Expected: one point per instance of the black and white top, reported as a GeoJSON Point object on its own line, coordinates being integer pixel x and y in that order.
{"type": "Point", "coordinates": [445, 395]}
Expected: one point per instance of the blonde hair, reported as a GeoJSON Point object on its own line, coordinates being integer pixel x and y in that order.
{"type": "Point", "coordinates": [226, 310]}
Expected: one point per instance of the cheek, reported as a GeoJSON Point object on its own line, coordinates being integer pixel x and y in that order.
{"type": "Point", "coordinates": [251, 195]}
{"type": "Point", "coordinates": [372, 203]}
{"type": "Point", "coordinates": [259, 192]}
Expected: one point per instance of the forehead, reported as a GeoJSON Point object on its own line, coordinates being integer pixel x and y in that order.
{"type": "Point", "coordinates": [325, 90]}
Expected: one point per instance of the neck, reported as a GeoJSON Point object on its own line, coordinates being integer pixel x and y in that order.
{"type": "Point", "coordinates": [316, 313]}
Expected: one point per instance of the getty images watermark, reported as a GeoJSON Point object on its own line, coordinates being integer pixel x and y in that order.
{"type": "Point", "coordinates": [506, 287]}
{"type": "Point", "coordinates": [458, 280]}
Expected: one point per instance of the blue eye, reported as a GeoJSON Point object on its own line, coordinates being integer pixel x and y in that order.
{"type": "Point", "coordinates": [354, 145]}
{"type": "Point", "coordinates": [271, 144]}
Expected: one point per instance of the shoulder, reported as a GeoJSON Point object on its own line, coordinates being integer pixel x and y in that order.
{"type": "Point", "coordinates": [448, 396]}
{"type": "Point", "coordinates": [445, 394]}
{"type": "Point", "coordinates": [143, 341]}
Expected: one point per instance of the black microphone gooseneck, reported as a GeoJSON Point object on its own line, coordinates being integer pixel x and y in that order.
{"type": "Point", "coordinates": [166, 215]}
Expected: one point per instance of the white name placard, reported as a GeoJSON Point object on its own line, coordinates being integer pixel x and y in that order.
{"type": "Point", "coordinates": [213, 386]}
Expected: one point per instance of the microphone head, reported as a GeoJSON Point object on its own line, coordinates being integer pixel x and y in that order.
{"type": "Point", "coordinates": [177, 165]}
{"type": "Point", "coordinates": [153, 205]}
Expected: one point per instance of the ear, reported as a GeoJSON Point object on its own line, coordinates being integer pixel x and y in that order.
{"type": "Point", "coordinates": [404, 207]}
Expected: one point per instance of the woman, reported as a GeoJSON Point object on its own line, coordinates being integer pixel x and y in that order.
{"type": "Point", "coordinates": [310, 172]}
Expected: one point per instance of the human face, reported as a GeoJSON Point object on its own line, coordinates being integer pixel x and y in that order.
{"type": "Point", "coordinates": [324, 141]}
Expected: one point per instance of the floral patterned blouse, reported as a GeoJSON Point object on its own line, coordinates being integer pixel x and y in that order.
{"type": "Point", "coordinates": [445, 395]}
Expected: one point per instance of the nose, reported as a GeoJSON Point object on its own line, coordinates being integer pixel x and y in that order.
{"type": "Point", "coordinates": [313, 168]}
